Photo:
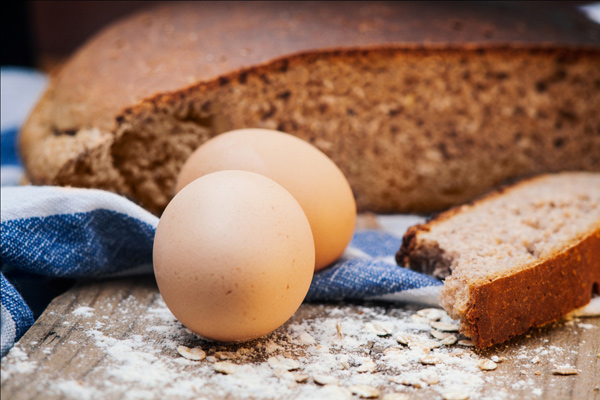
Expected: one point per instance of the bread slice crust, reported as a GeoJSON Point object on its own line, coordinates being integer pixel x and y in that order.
{"type": "Point", "coordinates": [542, 293]}
{"type": "Point", "coordinates": [507, 304]}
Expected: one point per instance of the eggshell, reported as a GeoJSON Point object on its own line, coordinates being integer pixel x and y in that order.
{"type": "Point", "coordinates": [308, 174]}
{"type": "Point", "coordinates": [233, 255]}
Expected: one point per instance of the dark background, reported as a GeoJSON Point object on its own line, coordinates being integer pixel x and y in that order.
{"type": "Point", "coordinates": [41, 34]}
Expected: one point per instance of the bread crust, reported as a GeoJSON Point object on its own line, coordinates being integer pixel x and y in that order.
{"type": "Point", "coordinates": [150, 63]}
{"type": "Point", "coordinates": [511, 305]}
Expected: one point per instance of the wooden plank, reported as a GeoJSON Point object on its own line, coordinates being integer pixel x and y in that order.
{"type": "Point", "coordinates": [116, 339]}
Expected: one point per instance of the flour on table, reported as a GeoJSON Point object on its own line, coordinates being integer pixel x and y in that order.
{"type": "Point", "coordinates": [365, 350]}
{"type": "Point", "coordinates": [83, 311]}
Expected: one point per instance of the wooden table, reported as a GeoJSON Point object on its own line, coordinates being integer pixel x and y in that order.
{"type": "Point", "coordinates": [116, 339]}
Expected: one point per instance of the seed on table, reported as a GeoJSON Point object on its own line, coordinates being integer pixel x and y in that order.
{"type": "Point", "coordinates": [325, 380]}
{"type": "Point", "coordinates": [395, 396]}
{"type": "Point", "coordinates": [444, 327]}
{"type": "Point", "coordinates": [224, 355]}
{"type": "Point", "coordinates": [367, 366]}
{"type": "Point", "coordinates": [280, 362]}
{"type": "Point", "coordinates": [364, 391]}
{"type": "Point", "coordinates": [225, 367]}
{"type": "Point", "coordinates": [564, 370]}
{"type": "Point", "coordinates": [487, 365]}
{"type": "Point", "coordinates": [449, 341]}
{"type": "Point", "coordinates": [428, 359]}
{"type": "Point", "coordinates": [439, 334]}
{"type": "Point", "coordinates": [432, 314]}
{"type": "Point", "coordinates": [378, 329]}
{"type": "Point", "coordinates": [455, 395]}
{"type": "Point", "coordinates": [195, 354]}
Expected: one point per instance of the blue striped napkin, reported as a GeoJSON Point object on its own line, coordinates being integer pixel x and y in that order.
{"type": "Point", "coordinates": [87, 233]}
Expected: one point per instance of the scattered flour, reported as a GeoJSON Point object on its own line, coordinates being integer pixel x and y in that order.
{"type": "Point", "coordinates": [345, 349]}
{"type": "Point", "coordinates": [83, 311]}
{"type": "Point", "coordinates": [20, 364]}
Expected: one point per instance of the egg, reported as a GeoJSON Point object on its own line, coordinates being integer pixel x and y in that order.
{"type": "Point", "coordinates": [308, 174]}
{"type": "Point", "coordinates": [233, 255]}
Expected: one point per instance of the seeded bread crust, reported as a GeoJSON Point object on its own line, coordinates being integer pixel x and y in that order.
{"type": "Point", "coordinates": [422, 106]}
{"type": "Point", "coordinates": [511, 304]}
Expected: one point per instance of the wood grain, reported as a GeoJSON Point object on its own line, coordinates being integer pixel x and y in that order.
{"type": "Point", "coordinates": [72, 352]}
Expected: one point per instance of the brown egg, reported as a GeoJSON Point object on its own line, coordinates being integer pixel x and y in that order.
{"type": "Point", "coordinates": [233, 255]}
{"type": "Point", "coordinates": [309, 175]}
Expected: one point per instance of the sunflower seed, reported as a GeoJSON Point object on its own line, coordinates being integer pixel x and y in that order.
{"type": "Point", "coordinates": [335, 392]}
{"type": "Point", "coordinates": [224, 355]}
{"type": "Point", "coordinates": [283, 363]}
{"type": "Point", "coordinates": [344, 361]}
{"type": "Point", "coordinates": [430, 377]}
{"type": "Point", "coordinates": [428, 359]}
{"type": "Point", "coordinates": [325, 380]}
{"type": "Point", "coordinates": [423, 344]}
{"type": "Point", "coordinates": [455, 395]}
{"type": "Point", "coordinates": [299, 377]}
{"type": "Point", "coordinates": [225, 367]}
{"type": "Point", "coordinates": [367, 366]}
{"type": "Point", "coordinates": [364, 391]}
{"type": "Point", "coordinates": [377, 329]}
{"type": "Point", "coordinates": [195, 353]}
{"type": "Point", "coordinates": [393, 351]}
{"type": "Point", "coordinates": [395, 396]}
{"type": "Point", "coordinates": [403, 338]}
{"type": "Point", "coordinates": [412, 381]}
{"type": "Point", "coordinates": [420, 320]}
{"type": "Point", "coordinates": [444, 327]}
{"type": "Point", "coordinates": [432, 314]}
{"type": "Point", "coordinates": [486, 365]}
{"type": "Point", "coordinates": [564, 370]}
{"type": "Point", "coordinates": [449, 340]}
{"type": "Point", "coordinates": [439, 334]}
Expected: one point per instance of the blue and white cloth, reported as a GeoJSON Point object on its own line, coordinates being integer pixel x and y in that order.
{"type": "Point", "coordinates": [87, 233]}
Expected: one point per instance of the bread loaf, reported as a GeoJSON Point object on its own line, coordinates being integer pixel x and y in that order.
{"type": "Point", "coordinates": [421, 104]}
{"type": "Point", "coordinates": [517, 258]}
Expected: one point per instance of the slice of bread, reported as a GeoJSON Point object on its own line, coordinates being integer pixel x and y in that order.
{"type": "Point", "coordinates": [422, 105]}
{"type": "Point", "coordinates": [520, 257]}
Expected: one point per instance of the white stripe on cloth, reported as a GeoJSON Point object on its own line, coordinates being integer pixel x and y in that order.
{"type": "Point", "coordinates": [43, 201]}
{"type": "Point", "coordinates": [8, 330]}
